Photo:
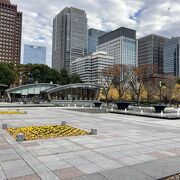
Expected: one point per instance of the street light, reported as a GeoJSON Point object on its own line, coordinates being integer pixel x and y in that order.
{"type": "Point", "coordinates": [160, 86]}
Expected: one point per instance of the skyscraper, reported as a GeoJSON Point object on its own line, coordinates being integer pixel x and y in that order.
{"type": "Point", "coordinates": [93, 35]}
{"type": "Point", "coordinates": [172, 56]}
{"type": "Point", "coordinates": [150, 51]}
{"type": "Point", "coordinates": [121, 44]}
{"type": "Point", "coordinates": [34, 54]}
{"type": "Point", "coordinates": [69, 37]}
{"type": "Point", "coordinates": [10, 32]}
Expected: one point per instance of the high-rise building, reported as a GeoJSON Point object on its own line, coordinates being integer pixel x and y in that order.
{"type": "Point", "coordinates": [34, 54]}
{"type": "Point", "coordinates": [90, 67]}
{"type": "Point", "coordinates": [172, 56]}
{"type": "Point", "coordinates": [10, 32]}
{"type": "Point", "coordinates": [93, 35]}
{"type": "Point", "coordinates": [69, 37]}
{"type": "Point", "coordinates": [150, 52]}
{"type": "Point", "coordinates": [121, 44]}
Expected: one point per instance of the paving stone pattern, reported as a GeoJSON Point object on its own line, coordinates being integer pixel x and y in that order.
{"type": "Point", "coordinates": [126, 147]}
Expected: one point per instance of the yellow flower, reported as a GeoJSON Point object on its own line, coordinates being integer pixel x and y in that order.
{"type": "Point", "coordinates": [48, 131]}
{"type": "Point", "coordinates": [11, 112]}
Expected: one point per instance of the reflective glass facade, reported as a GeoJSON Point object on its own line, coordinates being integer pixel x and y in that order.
{"type": "Point", "coordinates": [69, 37]}
{"type": "Point", "coordinates": [93, 35]}
{"type": "Point", "coordinates": [73, 92]}
{"type": "Point", "coordinates": [128, 51]}
{"type": "Point", "coordinates": [150, 51]}
{"type": "Point", "coordinates": [34, 54]}
{"type": "Point", "coordinates": [171, 56]}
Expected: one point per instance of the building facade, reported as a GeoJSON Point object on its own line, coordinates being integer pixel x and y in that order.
{"type": "Point", "coordinates": [171, 56]}
{"type": "Point", "coordinates": [34, 54]}
{"type": "Point", "coordinates": [10, 32]}
{"type": "Point", "coordinates": [90, 67]}
{"type": "Point", "coordinates": [69, 37]}
{"type": "Point", "coordinates": [121, 44]}
{"type": "Point", "coordinates": [150, 52]}
{"type": "Point", "coordinates": [93, 35]}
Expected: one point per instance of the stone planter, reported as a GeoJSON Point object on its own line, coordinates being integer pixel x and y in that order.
{"type": "Point", "coordinates": [97, 104]}
{"type": "Point", "coordinates": [159, 108]}
{"type": "Point", "coordinates": [122, 105]}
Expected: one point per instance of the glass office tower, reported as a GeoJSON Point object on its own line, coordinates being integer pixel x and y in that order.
{"type": "Point", "coordinates": [150, 51]}
{"type": "Point", "coordinates": [69, 37]}
{"type": "Point", "coordinates": [93, 35]}
{"type": "Point", "coordinates": [121, 44]}
{"type": "Point", "coordinates": [171, 57]}
{"type": "Point", "coordinates": [34, 54]}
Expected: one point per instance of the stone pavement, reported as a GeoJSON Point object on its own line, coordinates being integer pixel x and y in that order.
{"type": "Point", "coordinates": [126, 147]}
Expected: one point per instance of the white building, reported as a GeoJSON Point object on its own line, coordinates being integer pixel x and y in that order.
{"type": "Point", "coordinates": [90, 67]}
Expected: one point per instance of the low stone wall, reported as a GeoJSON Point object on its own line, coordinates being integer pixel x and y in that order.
{"type": "Point", "coordinates": [168, 116]}
{"type": "Point", "coordinates": [150, 109]}
{"type": "Point", "coordinates": [89, 110]}
{"type": "Point", "coordinates": [70, 103]}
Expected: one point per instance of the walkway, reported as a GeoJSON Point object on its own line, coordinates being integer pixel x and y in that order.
{"type": "Point", "coordinates": [126, 147]}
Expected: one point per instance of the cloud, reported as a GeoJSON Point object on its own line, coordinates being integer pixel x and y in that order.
{"type": "Point", "coordinates": [146, 16]}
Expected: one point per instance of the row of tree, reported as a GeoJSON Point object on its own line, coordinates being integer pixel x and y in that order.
{"type": "Point", "coordinates": [31, 73]}
{"type": "Point", "coordinates": [140, 83]}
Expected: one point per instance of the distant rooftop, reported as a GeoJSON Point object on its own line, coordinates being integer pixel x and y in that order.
{"type": "Point", "coordinates": [153, 35]}
{"type": "Point", "coordinates": [122, 31]}
{"type": "Point", "coordinates": [99, 52]}
{"type": "Point", "coordinates": [71, 10]}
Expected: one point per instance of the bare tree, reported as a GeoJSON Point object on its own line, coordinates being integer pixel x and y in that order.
{"type": "Point", "coordinates": [177, 93]}
{"type": "Point", "coordinates": [121, 75]}
{"type": "Point", "coordinates": [170, 83]}
{"type": "Point", "coordinates": [151, 88]}
{"type": "Point", "coordinates": [138, 78]}
{"type": "Point", "coordinates": [106, 80]}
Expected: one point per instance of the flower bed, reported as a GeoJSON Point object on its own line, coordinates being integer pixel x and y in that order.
{"type": "Point", "coordinates": [173, 177]}
{"type": "Point", "coordinates": [11, 112]}
{"type": "Point", "coordinates": [48, 131]}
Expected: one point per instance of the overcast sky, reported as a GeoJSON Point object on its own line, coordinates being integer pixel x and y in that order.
{"type": "Point", "coordinates": [145, 16]}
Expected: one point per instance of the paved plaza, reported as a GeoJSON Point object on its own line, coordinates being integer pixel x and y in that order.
{"type": "Point", "coordinates": [126, 147]}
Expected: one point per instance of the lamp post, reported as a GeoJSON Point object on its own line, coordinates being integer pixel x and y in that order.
{"type": "Point", "coordinates": [160, 89]}
{"type": "Point", "coordinates": [159, 108]}
{"type": "Point", "coordinates": [178, 97]}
